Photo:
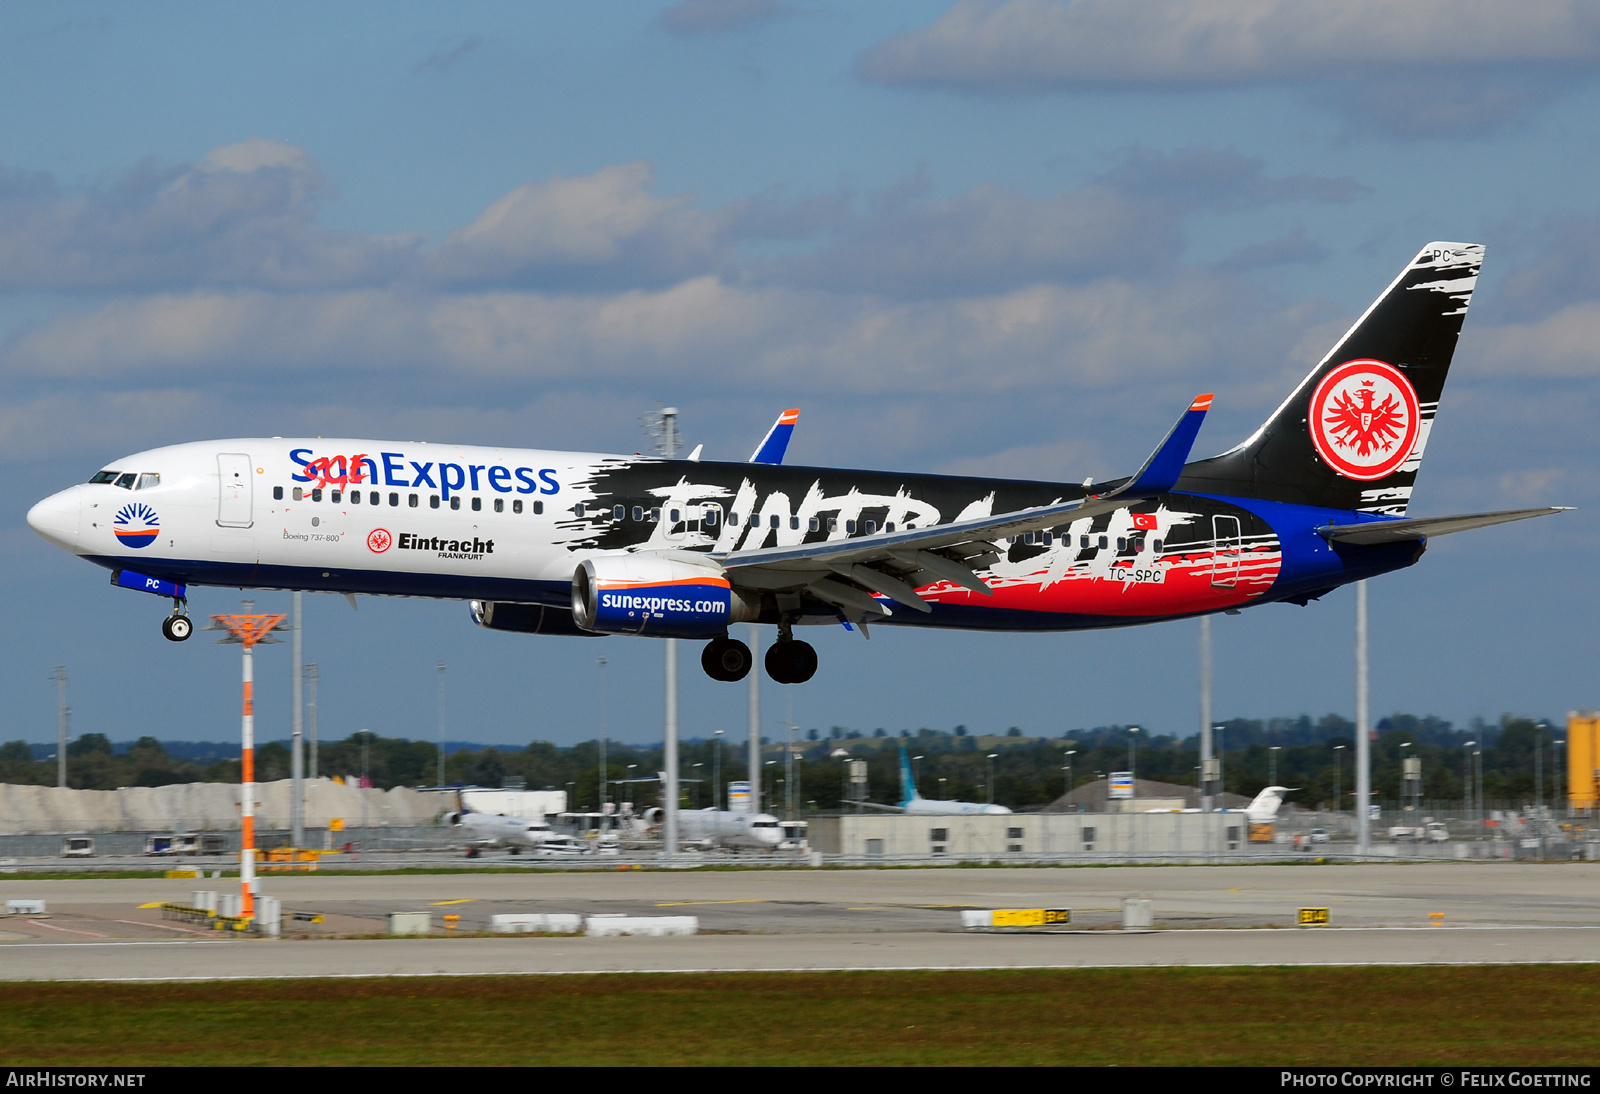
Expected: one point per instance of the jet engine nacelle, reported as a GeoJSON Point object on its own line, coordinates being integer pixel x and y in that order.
{"type": "Point", "coordinates": [661, 594]}
{"type": "Point", "coordinates": [652, 817]}
{"type": "Point", "coordinates": [527, 619]}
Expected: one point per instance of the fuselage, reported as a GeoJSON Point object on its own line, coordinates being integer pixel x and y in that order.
{"type": "Point", "coordinates": [725, 828]}
{"type": "Point", "coordinates": [511, 525]}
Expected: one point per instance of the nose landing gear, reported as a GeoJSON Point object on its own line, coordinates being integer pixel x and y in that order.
{"type": "Point", "coordinates": [177, 627]}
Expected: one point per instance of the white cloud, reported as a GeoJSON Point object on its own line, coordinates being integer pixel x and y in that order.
{"type": "Point", "coordinates": [1031, 44]}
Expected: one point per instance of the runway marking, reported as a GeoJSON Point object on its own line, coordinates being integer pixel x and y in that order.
{"type": "Point", "coordinates": [688, 903]}
{"type": "Point", "coordinates": [442, 903]}
{"type": "Point", "coordinates": [164, 927]}
{"type": "Point", "coordinates": [69, 930]}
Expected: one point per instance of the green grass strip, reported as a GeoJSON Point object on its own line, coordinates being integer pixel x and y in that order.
{"type": "Point", "coordinates": [1442, 1015]}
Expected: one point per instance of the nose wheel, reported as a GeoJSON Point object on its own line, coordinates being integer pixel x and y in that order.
{"type": "Point", "coordinates": [176, 628]}
{"type": "Point", "coordinates": [791, 661]}
{"type": "Point", "coordinates": [726, 659]}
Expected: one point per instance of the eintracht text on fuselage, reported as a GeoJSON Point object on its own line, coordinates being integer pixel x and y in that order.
{"type": "Point", "coordinates": [566, 543]}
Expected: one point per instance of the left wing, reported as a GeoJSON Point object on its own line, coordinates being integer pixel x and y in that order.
{"type": "Point", "coordinates": [896, 564]}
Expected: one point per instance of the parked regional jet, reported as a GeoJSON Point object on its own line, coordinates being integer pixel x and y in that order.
{"type": "Point", "coordinates": [913, 803]}
{"type": "Point", "coordinates": [724, 828]}
{"type": "Point", "coordinates": [568, 543]}
{"type": "Point", "coordinates": [483, 831]}
{"type": "Point", "coordinates": [1263, 808]}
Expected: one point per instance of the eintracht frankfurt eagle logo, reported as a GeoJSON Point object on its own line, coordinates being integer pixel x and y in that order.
{"type": "Point", "coordinates": [1364, 419]}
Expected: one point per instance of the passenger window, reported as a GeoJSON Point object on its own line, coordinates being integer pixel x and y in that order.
{"type": "Point", "coordinates": [126, 481]}
{"type": "Point", "coordinates": [674, 516]}
{"type": "Point", "coordinates": [1083, 545]}
{"type": "Point", "coordinates": [869, 526]}
{"type": "Point", "coordinates": [355, 497]}
{"type": "Point", "coordinates": [516, 505]}
{"type": "Point", "coordinates": [733, 522]}
{"type": "Point", "coordinates": [394, 499]}
{"type": "Point", "coordinates": [1103, 544]}
{"type": "Point", "coordinates": [373, 497]}
{"type": "Point", "coordinates": [794, 522]}
{"type": "Point", "coordinates": [638, 512]}
{"type": "Point", "coordinates": [1045, 538]}
{"type": "Point", "coordinates": [316, 493]}
{"type": "Point", "coordinates": [1027, 537]}
{"type": "Point", "coordinates": [709, 519]}
{"type": "Point", "coordinates": [300, 493]}
{"type": "Point", "coordinates": [773, 520]}
{"type": "Point", "coordinates": [433, 501]}
{"type": "Point", "coordinates": [1155, 546]}
{"type": "Point", "coordinates": [538, 507]}
{"type": "Point", "coordinates": [334, 497]}
{"type": "Point", "coordinates": [577, 511]}
{"type": "Point", "coordinates": [147, 481]}
{"type": "Point", "coordinates": [477, 504]}
{"type": "Point", "coordinates": [889, 527]}
{"type": "Point", "coordinates": [849, 530]}
{"type": "Point", "coordinates": [277, 495]}
{"type": "Point", "coordinates": [412, 500]}
{"type": "Point", "coordinates": [1122, 545]}
{"type": "Point", "coordinates": [815, 526]}
{"type": "Point", "coordinates": [833, 526]}
{"type": "Point", "coordinates": [455, 502]}
{"type": "Point", "coordinates": [655, 514]}
{"type": "Point", "coordinates": [500, 507]}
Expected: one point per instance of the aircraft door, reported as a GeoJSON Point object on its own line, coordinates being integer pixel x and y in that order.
{"type": "Point", "coordinates": [1225, 548]}
{"type": "Point", "coordinates": [234, 499]}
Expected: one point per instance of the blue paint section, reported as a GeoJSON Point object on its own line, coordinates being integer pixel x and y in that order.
{"type": "Point", "coordinates": [908, 784]}
{"type": "Point", "coordinates": [1310, 564]}
{"type": "Point", "coordinates": [674, 610]}
{"type": "Point", "coordinates": [144, 583]}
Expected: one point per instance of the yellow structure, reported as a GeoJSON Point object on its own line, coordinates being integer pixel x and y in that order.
{"type": "Point", "coordinates": [1583, 758]}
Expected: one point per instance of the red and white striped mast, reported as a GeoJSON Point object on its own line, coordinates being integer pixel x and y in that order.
{"type": "Point", "coordinates": [248, 631]}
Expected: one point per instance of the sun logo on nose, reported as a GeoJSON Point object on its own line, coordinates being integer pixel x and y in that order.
{"type": "Point", "coordinates": [136, 525]}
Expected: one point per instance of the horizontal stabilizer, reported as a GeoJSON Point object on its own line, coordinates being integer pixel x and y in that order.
{"type": "Point", "coordinates": [776, 442]}
{"type": "Point", "coordinates": [1394, 531]}
{"type": "Point", "coordinates": [1160, 472]}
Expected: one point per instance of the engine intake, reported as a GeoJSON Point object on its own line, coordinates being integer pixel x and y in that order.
{"type": "Point", "coordinates": [657, 595]}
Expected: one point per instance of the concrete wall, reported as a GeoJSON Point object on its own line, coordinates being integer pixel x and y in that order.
{"type": "Point", "coordinates": [1029, 834]}
{"type": "Point", "coordinates": [185, 807]}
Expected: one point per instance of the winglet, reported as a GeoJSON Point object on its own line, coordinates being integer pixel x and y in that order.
{"type": "Point", "coordinates": [776, 442]}
{"type": "Point", "coordinates": [1160, 472]}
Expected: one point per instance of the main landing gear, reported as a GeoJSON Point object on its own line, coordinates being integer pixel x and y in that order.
{"type": "Point", "coordinates": [788, 661]}
{"type": "Point", "coordinates": [177, 627]}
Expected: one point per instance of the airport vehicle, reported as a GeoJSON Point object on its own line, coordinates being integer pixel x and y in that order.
{"type": "Point", "coordinates": [724, 828]}
{"type": "Point", "coordinates": [566, 543]}
{"type": "Point", "coordinates": [1407, 833]}
{"type": "Point", "coordinates": [1437, 832]}
{"type": "Point", "coordinates": [180, 843]}
{"type": "Point", "coordinates": [912, 801]}
{"type": "Point", "coordinates": [1318, 835]}
{"type": "Point", "coordinates": [77, 847]}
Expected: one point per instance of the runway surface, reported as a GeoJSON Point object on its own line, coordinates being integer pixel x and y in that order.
{"type": "Point", "coordinates": [836, 919]}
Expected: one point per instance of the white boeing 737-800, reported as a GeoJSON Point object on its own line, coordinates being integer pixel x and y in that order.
{"type": "Point", "coordinates": [584, 544]}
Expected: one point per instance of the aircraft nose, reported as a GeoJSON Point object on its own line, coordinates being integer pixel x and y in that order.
{"type": "Point", "coordinates": [56, 518]}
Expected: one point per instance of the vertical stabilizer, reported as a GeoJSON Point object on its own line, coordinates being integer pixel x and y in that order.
{"type": "Point", "coordinates": [1352, 434]}
{"type": "Point", "coordinates": [908, 782]}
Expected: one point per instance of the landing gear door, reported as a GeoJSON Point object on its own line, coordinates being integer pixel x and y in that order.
{"type": "Point", "coordinates": [1225, 545]}
{"type": "Point", "coordinates": [233, 491]}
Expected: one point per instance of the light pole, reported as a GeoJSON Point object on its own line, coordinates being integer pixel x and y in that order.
{"type": "Point", "coordinates": [605, 779]}
{"type": "Point", "coordinates": [1133, 772]}
{"type": "Point", "coordinates": [366, 781]}
{"type": "Point", "coordinates": [1069, 754]}
{"type": "Point", "coordinates": [1557, 775]}
{"type": "Point", "coordinates": [1477, 795]}
{"type": "Point", "coordinates": [1338, 778]}
{"type": "Point", "coordinates": [1272, 764]}
{"type": "Point", "coordinates": [699, 769]}
{"type": "Point", "coordinates": [716, 771]}
{"type": "Point", "coordinates": [1538, 767]}
{"type": "Point", "coordinates": [1466, 779]}
{"type": "Point", "coordinates": [941, 788]}
{"type": "Point", "coordinates": [1221, 753]}
{"type": "Point", "coordinates": [441, 723]}
{"type": "Point", "coordinates": [916, 786]}
{"type": "Point", "coordinates": [992, 756]}
{"type": "Point", "coordinates": [774, 791]}
{"type": "Point", "coordinates": [60, 677]}
{"type": "Point", "coordinates": [1405, 773]}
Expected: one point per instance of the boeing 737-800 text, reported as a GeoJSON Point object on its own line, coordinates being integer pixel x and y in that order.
{"type": "Point", "coordinates": [568, 543]}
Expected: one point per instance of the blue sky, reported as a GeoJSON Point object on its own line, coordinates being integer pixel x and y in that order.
{"type": "Point", "coordinates": [1007, 238]}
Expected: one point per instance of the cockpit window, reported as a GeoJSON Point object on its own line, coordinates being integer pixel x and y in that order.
{"type": "Point", "coordinates": [127, 480]}
{"type": "Point", "coordinates": [148, 480]}
{"type": "Point", "coordinates": [101, 477]}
